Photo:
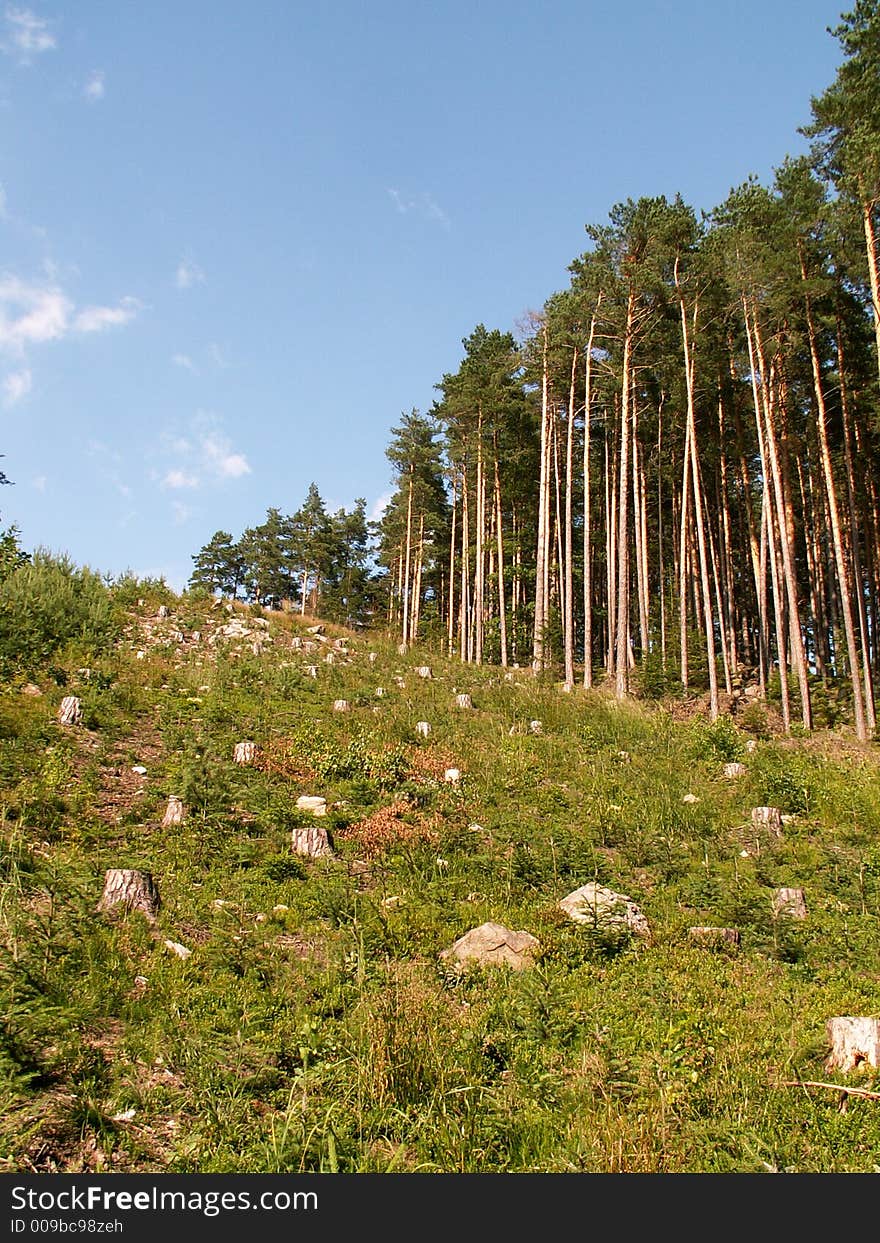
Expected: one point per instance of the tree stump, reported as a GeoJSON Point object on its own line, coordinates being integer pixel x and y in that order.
{"type": "Point", "coordinates": [245, 752]}
{"type": "Point", "coordinates": [768, 818]}
{"type": "Point", "coordinates": [296, 642]}
{"type": "Point", "coordinates": [400, 683]}
{"type": "Point", "coordinates": [163, 611]}
{"type": "Point", "coordinates": [340, 705]}
{"type": "Point", "coordinates": [789, 904]}
{"type": "Point", "coordinates": [423, 728]}
{"type": "Point", "coordinates": [136, 891]}
{"type": "Point", "coordinates": [402, 649]}
{"type": "Point", "coordinates": [535, 727]}
{"type": "Point", "coordinates": [380, 692]}
{"type": "Point", "coordinates": [714, 937]}
{"type": "Point", "coordinates": [424, 671]}
{"type": "Point", "coordinates": [173, 812]}
{"type": "Point", "coordinates": [70, 712]}
{"type": "Point", "coordinates": [734, 770]}
{"type": "Point", "coordinates": [853, 1041]}
{"type": "Point", "coordinates": [330, 659]}
{"type": "Point", "coordinates": [463, 701]}
{"type": "Point", "coordinates": [373, 657]}
{"type": "Point", "coordinates": [312, 842]}
{"type": "Point", "coordinates": [312, 671]}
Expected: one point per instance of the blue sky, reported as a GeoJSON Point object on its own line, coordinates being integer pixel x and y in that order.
{"type": "Point", "coordinates": [237, 241]}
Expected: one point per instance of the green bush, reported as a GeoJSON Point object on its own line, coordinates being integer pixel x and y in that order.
{"type": "Point", "coordinates": [46, 604]}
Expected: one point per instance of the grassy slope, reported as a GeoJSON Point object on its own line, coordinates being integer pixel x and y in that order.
{"type": "Point", "coordinates": [314, 1028]}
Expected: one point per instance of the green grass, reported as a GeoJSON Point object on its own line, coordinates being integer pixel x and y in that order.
{"type": "Point", "coordinates": [314, 1026]}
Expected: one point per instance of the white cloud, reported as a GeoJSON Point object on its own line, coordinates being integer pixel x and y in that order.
{"type": "Point", "coordinates": [30, 314]}
{"type": "Point", "coordinates": [15, 386]}
{"type": "Point", "coordinates": [379, 506]}
{"type": "Point", "coordinates": [34, 314]}
{"type": "Point", "coordinates": [97, 318]}
{"type": "Point", "coordinates": [184, 360]}
{"type": "Point", "coordinates": [423, 204]}
{"type": "Point", "coordinates": [26, 35]}
{"type": "Point", "coordinates": [94, 87]}
{"type": "Point", "coordinates": [181, 512]}
{"type": "Point", "coordinates": [219, 458]}
{"type": "Point", "coordinates": [188, 274]}
{"type": "Point", "coordinates": [177, 478]}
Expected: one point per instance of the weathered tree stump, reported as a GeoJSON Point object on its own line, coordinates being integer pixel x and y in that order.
{"type": "Point", "coordinates": [423, 728]}
{"type": "Point", "coordinates": [163, 611]}
{"type": "Point", "coordinates": [714, 937]}
{"type": "Point", "coordinates": [312, 671]}
{"type": "Point", "coordinates": [402, 649]}
{"type": "Point", "coordinates": [340, 705]}
{"type": "Point", "coordinates": [330, 659]}
{"type": "Point", "coordinates": [400, 683]}
{"type": "Point", "coordinates": [373, 657]}
{"type": "Point", "coordinates": [296, 642]}
{"type": "Point", "coordinates": [768, 818]}
{"type": "Point", "coordinates": [136, 891]}
{"type": "Point", "coordinates": [734, 770]}
{"type": "Point", "coordinates": [380, 692]}
{"type": "Point", "coordinates": [173, 812]}
{"type": "Point", "coordinates": [789, 904]}
{"type": "Point", "coordinates": [70, 712]}
{"type": "Point", "coordinates": [853, 1041]}
{"type": "Point", "coordinates": [245, 752]}
{"type": "Point", "coordinates": [424, 671]}
{"type": "Point", "coordinates": [463, 701]}
{"type": "Point", "coordinates": [312, 842]}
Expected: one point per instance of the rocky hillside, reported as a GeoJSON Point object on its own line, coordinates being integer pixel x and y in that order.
{"type": "Point", "coordinates": [378, 911]}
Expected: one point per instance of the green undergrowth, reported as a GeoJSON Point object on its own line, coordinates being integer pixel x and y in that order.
{"type": "Point", "coordinates": [314, 1025]}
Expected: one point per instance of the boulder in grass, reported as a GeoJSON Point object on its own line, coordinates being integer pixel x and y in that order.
{"type": "Point", "coordinates": [318, 630]}
{"type": "Point", "coordinates": [536, 727]}
{"type": "Point", "coordinates": [452, 776]}
{"type": "Point", "coordinates": [597, 906]}
{"type": "Point", "coordinates": [312, 803]}
{"type": "Point", "coordinates": [690, 798]}
{"type": "Point", "coordinates": [32, 690]}
{"type": "Point", "coordinates": [178, 950]}
{"type": "Point", "coordinates": [493, 945]}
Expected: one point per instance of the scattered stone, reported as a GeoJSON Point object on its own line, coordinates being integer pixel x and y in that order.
{"type": "Point", "coordinates": [139, 769]}
{"type": "Point", "coordinates": [767, 818]}
{"type": "Point", "coordinates": [393, 901]}
{"type": "Point", "coordinates": [452, 776]}
{"type": "Point", "coordinates": [70, 712]}
{"type": "Point", "coordinates": [751, 746]}
{"type": "Point", "coordinates": [373, 657]}
{"type": "Point", "coordinates": [789, 904]}
{"type": "Point", "coordinates": [179, 950]}
{"type": "Point", "coordinates": [140, 655]}
{"type": "Point", "coordinates": [624, 757]}
{"type": "Point", "coordinates": [854, 1041]}
{"type": "Point", "coordinates": [245, 752]}
{"type": "Point", "coordinates": [714, 937]}
{"type": "Point", "coordinates": [314, 630]}
{"type": "Point", "coordinates": [173, 812]}
{"type": "Point", "coordinates": [340, 705]}
{"type": "Point", "coordinates": [312, 842]}
{"type": "Point", "coordinates": [424, 671]}
{"type": "Point", "coordinates": [296, 642]}
{"type": "Point", "coordinates": [463, 701]}
{"type": "Point", "coordinates": [423, 728]}
{"type": "Point", "coordinates": [494, 945]}
{"type": "Point", "coordinates": [734, 770]}
{"type": "Point", "coordinates": [279, 908]}
{"type": "Point", "coordinates": [136, 891]}
{"type": "Point", "coordinates": [595, 905]}
{"type": "Point", "coordinates": [536, 727]}
{"type": "Point", "coordinates": [312, 803]}
{"type": "Point", "coordinates": [690, 798]}
{"type": "Point", "coordinates": [31, 689]}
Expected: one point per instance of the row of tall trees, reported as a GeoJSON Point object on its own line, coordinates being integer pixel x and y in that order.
{"type": "Point", "coordinates": [318, 562]}
{"type": "Point", "coordinates": [672, 472]}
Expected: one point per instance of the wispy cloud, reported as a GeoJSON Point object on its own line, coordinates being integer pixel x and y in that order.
{"type": "Point", "coordinates": [205, 455]}
{"type": "Point", "coordinates": [188, 274]}
{"type": "Point", "coordinates": [217, 356]}
{"type": "Point", "coordinates": [423, 204]}
{"type": "Point", "coordinates": [26, 35]}
{"type": "Point", "coordinates": [379, 506]}
{"type": "Point", "coordinates": [97, 318]}
{"type": "Point", "coordinates": [16, 385]}
{"type": "Point", "coordinates": [32, 314]}
{"type": "Point", "coordinates": [181, 512]}
{"type": "Point", "coordinates": [184, 360]}
{"type": "Point", "coordinates": [94, 87]}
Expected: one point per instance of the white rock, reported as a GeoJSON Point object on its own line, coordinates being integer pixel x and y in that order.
{"type": "Point", "coordinates": [690, 798]}
{"type": "Point", "coordinates": [179, 950]}
{"type": "Point", "coordinates": [312, 803]}
{"type": "Point", "coordinates": [139, 769]}
{"type": "Point", "coordinates": [452, 776]}
{"type": "Point", "coordinates": [494, 945]}
{"type": "Point", "coordinates": [595, 905]}
{"type": "Point", "coordinates": [536, 727]}
{"type": "Point", "coordinates": [373, 657]}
